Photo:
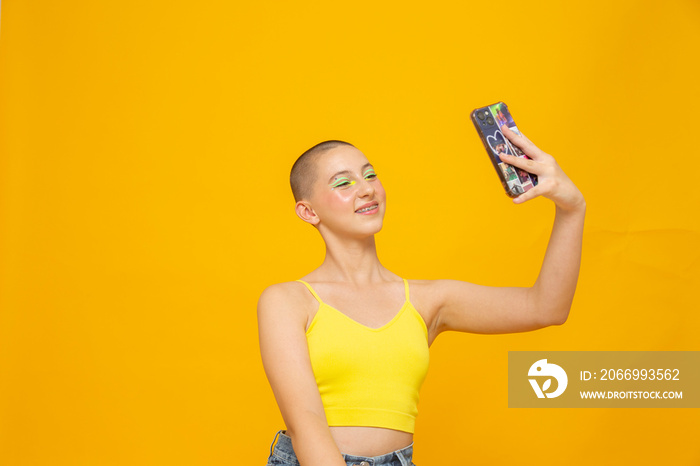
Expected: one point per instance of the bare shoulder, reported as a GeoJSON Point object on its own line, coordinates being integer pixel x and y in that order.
{"type": "Point", "coordinates": [423, 291]}
{"type": "Point", "coordinates": [285, 301]}
{"type": "Point", "coordinates": [426, 296]}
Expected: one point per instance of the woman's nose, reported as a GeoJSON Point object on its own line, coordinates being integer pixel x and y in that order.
{"type": "Point", "coordinates": [366, 187]}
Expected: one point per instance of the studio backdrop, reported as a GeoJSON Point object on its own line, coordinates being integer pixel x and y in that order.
{"type": "Point", "coordinates": [145, 150]}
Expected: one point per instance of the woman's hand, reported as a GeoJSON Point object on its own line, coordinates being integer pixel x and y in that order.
{"type": "Point", "coordinates": [552, 182]}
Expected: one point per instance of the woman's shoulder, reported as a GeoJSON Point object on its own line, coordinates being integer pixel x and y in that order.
{"type": "Point", "coordinates": [283, 303]}
{"type": "Point", "coordinates": [420, 282]}
{"type": "Point", "coordinates": [423, 290]}
{"type": "Point", "coordinates": [425, 287]}
{"type": "Point", "coordinates": [433, 289]}
{"type": "Point", "coordinates": [283, 290]}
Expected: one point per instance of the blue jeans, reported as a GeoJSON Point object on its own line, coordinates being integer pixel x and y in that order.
{"type": "Point", "coordinates": [282, 454]}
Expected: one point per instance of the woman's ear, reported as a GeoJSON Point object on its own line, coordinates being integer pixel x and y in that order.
{"type": "Point", "coordinates": [305, 212]}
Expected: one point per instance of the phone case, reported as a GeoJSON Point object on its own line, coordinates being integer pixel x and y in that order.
{"type": "Point", "coordinates": [487, 121]}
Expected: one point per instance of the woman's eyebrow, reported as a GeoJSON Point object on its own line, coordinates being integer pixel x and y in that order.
{"type": "Point", "coordinates": [347, 172]}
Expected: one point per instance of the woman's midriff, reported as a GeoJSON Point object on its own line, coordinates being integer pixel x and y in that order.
{"type": "Point", "coordinates": [369, 441]}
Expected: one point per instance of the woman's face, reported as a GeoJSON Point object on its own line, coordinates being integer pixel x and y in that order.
{"type": "Point", "coordinates": [346, 183]}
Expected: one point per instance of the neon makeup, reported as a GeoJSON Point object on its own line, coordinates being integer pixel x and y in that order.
{"type": "Point", "coordinates": [342, 181]}
{"type": "Point", "coordinates": [345, 181]}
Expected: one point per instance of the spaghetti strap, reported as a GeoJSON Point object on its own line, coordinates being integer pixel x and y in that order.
{"type": "Point", "coordinates": [311, 290]}
{"type": "Point", "coordinates": [406, 283]}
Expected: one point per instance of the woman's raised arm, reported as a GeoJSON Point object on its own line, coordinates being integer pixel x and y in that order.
{"type": "Point", "coordinates": [466, 307]}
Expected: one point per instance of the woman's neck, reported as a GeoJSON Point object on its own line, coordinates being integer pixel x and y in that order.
{"type": "Point", "coordinates": [352, 261]}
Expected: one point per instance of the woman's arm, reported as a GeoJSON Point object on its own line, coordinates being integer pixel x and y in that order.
{"type": "Point", "coordinates": [463, 306]}
{"type": "Point", "coordinates": [554, 289]}
{"type": "Point", "coordinates": [285, 357]}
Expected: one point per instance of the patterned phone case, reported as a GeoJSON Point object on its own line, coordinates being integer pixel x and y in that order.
{"type": "Point", "coordinates": [487, 121]}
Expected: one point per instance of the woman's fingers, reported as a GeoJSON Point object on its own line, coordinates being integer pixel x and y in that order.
{"type": "Point", "coordinates": [529, 165]}
{"type": "Point", "coordinates": [552, 182]}
{"type": "Point", "coordinates": [522, 142]}
{"type": "Point", "coordinates": [529, 194]}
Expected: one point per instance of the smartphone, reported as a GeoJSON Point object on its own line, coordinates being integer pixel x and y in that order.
{"type": "Point", "coordinates": [488, 121]}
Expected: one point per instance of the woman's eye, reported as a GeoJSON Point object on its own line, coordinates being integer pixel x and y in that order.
{"type": "Point", "coordinates": [343, 182]}
{"type": "Point", "coordinates": [371, 175]}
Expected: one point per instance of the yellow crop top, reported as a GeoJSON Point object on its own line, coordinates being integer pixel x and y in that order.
{"type": "Point", "coordinates": [369, 376]}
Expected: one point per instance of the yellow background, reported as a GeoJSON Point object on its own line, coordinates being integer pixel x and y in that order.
{"type": "Point", "coordinates": [145, 155]}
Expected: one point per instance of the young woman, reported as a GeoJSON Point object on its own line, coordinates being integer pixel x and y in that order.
{"type": "Point", "coordinates": [344, 366]}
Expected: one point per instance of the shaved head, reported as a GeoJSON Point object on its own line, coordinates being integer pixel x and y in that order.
{"type": "Point", "coordinates": [303, 175]}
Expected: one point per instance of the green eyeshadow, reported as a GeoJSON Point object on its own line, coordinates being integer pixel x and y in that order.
{"type": "Point", "coordinates": [342, 180]}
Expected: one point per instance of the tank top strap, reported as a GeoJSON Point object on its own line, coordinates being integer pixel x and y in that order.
{"type": "Point", "coordinates": [406, 286]}
{"type": "Point", "coordinates": [311, 290]}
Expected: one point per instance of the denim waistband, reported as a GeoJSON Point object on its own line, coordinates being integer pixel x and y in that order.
{"type": "Point", "coordinates": [283, 449]}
